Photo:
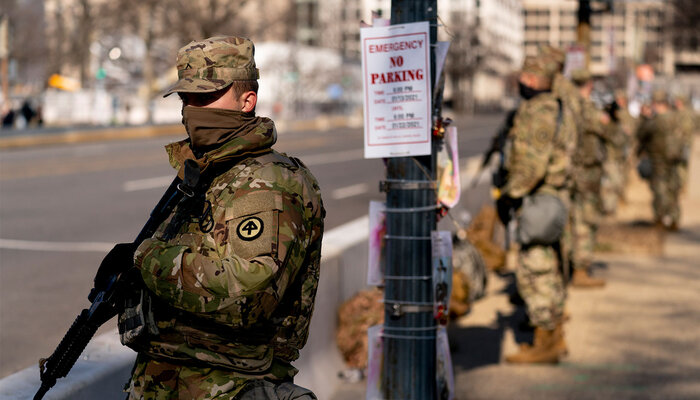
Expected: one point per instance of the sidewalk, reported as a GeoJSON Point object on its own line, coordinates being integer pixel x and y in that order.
{"type": "Point", "coordinates": [637, 338]}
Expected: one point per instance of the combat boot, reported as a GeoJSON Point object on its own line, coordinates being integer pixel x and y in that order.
{"type": "Point", "coordinates": [559, 341]}
{"type": "Point", "coordinates": [581, 279]}
{"type": "Point", "coordinates": [542, 351]}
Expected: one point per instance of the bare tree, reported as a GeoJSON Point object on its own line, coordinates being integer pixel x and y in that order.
{"type": "Point", "coordinates": [27, 47]}
{"type": "Point", "coordinates": [462, 62]}
{"type": "Point", "coordinates": [686, 15]}
{"type": "Point", "coordinates": [205, 18]}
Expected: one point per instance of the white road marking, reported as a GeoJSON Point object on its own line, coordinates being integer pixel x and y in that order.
{"type": "Point", "coordinates": [335, 241]}
{"type": "Point", "coordinates": [316, 159]}
{"type": "Point", "coordinates": [349, 191]}
{"type": "Point", "coordinates": [149, 183]}
{"type": "Point", "coordinates": [55, 246]}
{"type": "Point", "coordinates": [335, 157]}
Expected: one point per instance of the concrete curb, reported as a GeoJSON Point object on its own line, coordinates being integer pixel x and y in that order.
{"type": "Point", "coordinates": [105, 365]}
{"type": "Point", "coordinates": [147, 131]}
{"type": "Point", "coordinates": [92, 135]}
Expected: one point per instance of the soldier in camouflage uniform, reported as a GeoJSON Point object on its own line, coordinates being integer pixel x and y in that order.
{"type": "Point", "coordinates": [231, 290]}
{"type": "Point", "coordinates": [537, 161]}
{"type": "Point", "coordinates": [612, 183]}
{"type": "Point", "coordinates": [588, 171]}
{"type": "Point", "coordinates": [662, 139]}
{"type": "Point", "coordinates": [628, 125]}
{"type": "Point", "coordinates": [568, 94]}
{"type": "Point", "coordinates": [685, 118]}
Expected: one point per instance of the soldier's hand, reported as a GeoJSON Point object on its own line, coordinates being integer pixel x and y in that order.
{"type": "Point", "coordinates": [504, 205]}
{"type": "Point", "coordinates": [116, 262]}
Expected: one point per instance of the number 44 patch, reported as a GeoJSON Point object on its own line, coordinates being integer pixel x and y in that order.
{"type": "Point", "coordinates": [250, 228]}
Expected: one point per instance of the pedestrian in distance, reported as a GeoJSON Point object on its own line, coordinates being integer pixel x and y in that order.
{"type": "Point", "coordinates": [230, 278]}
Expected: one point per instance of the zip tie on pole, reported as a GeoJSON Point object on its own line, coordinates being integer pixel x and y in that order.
{"type": "Point", "coordinates": [409, 329]}
{"type": "Point", "coordinates": [411, 209]}
{"type": "Point", "coordinates": [395, 237]}
{"type": "Point", "coordinates": [390, 336]}
{"type": "Point", "coordinates": [399, 308]}
{"type": "Point", "coordinates": [407, 278]}
{"type": "Point", "coordinates": [402, 184]}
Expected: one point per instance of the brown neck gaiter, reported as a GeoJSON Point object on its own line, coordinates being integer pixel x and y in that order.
{"type": "Point", "coordinates": [209, 128]}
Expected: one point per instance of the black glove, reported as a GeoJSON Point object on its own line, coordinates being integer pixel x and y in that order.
{"type": "Point", "coordinates": [117, 261]}
{"type": "Point", "coordinates": [504, 205]}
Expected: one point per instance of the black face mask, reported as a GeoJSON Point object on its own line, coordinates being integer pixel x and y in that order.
{"type": "Point", "coordinates": [526, 92]}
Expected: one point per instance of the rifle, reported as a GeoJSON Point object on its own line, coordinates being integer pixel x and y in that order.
{"type": "Point", "coordinates": [106, 301]}
{"type": "Point", "coordinates": [498, 142]}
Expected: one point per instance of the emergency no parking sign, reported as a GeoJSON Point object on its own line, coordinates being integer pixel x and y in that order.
{"type": "Point", "coordinates": [396, 78]}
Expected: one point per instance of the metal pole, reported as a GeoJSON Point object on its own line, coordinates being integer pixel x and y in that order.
{"type": "Point", "coordinates": [409, 327]}
{"type": "Point", "coordinates": [4, 56]}
{"type": "Point", "coordinates": [583, 31]}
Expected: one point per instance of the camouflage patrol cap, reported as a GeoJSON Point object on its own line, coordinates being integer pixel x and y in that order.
{"type": "Point", "coordinates": [540, 67]}
{"type": "Point", "coordinates": [553, 54]}
{"type": "Point", "coordinates": [212, 64]}
{"type": "Point", "coordinates": [659, 96]}
{"type": "Point", "coordinates": [620, 94]}
{"type": "Point", "coordinates": [682, 97]}
{"type": "Point", "coordinates": [580, 76]}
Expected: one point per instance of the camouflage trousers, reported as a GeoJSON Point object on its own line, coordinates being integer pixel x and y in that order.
{"type": "Point", "coordinates": [541, 285]}
{"type": "Point", "coordinates": [160, 380]}
{"type": "Point", "coordinates": [612, 185]}
{"type": "Point", "coordinates": [665, 184]}
{"type": "Point", "coordinates": [584, 219]}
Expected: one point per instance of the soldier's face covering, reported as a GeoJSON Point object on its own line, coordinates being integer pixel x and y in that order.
{"type": "Point", "coordinates": [527, 92]}
{"type": "Point", "coordinates": [209, 128]}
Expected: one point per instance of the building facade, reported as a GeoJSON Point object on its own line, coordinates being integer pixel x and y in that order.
{"type": "Point", "coordinates": [632, 33]}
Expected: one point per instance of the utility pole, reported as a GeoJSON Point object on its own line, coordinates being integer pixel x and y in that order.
{"type": "Point", "coordinates": [409, 371]}
{"type": "Point", "coordinates": [583, 31]}
{"type": "Point", "coordinates": [4, 56]}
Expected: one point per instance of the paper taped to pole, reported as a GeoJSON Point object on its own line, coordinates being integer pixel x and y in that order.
{"type": "Point", "coordinates": [396, 80]}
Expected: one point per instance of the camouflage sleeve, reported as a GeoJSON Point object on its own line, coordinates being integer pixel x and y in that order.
{"type": "Point", "coordinates": [644, 133]}
{"type": "Point", "coordinates": [591, 121]}
{"type": "Point", "coordinates": [237, 273]}
{"type": "Point", "coordinates": [531, 146]}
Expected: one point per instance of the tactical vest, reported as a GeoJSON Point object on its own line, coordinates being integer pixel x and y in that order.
{"type": "Point", "coordinates": [151, 326]}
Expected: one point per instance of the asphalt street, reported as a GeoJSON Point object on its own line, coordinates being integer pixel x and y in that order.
{"type": "Point", "coordinates": [63, 207]}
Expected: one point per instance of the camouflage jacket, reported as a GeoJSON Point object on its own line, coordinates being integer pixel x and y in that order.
{"type": "Point", "coordinates": [239, 297]}
{"type": "Point", "coordinates": [686, 125]}
{"type": "Point", "coordinates": [661, 138]}
{"type": "Point", "coordinates": [537, 156]}
{"type": "Point", "coordinates": [566, 91]}
{"type": "Point", "coordinates": [591, 150]}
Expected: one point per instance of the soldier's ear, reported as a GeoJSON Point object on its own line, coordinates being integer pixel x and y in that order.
{"type": "Point", "coordinates": [248, 101]}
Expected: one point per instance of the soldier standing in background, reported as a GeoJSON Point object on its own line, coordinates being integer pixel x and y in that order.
{"type": "Point", "coordinates": [685, 117]}
{"type": "Point", "coordinates": [628, 126]}
{"type": "Point", "coordinates": [661, 139]}
{"type": "Point", "coordinates": [564, 90]}
{"type": "Point", "coordinates": [537, 161]}
{"type": "Point", "coordinates": [588, 170]}
{"type": "Point", "coordinates": [612, 182]}
{"type": "Point", "coordinates": [230, 279]}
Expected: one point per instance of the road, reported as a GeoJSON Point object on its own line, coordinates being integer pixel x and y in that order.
{"type": "Point", "coordinates": [63, 207]}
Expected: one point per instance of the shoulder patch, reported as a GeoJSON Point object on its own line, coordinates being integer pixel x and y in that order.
{"type": "Point", "coordinates": [250, 228]}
